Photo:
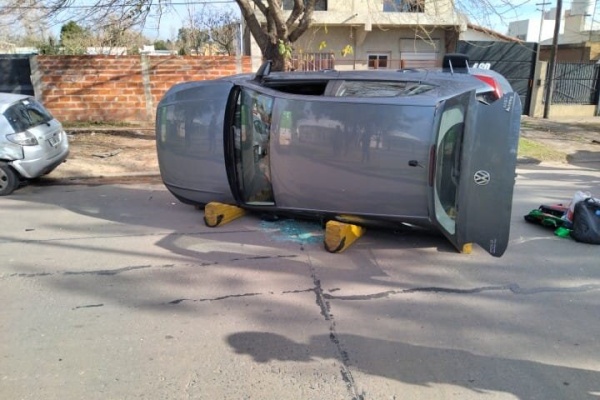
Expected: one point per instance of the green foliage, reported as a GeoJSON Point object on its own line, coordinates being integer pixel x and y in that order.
{"type": "Point", "coordinates": [160, 45]}
{"type": "Point", "coordinates": [72, 30]}
{"type": "Point", "coordinates": [285, 49]}
{"type": "Point", "coordinates": [347, 50]}
{"type": "Point", "coordinates": [49, 47]}
{"type": "Point", "coordinates": [74, 38]}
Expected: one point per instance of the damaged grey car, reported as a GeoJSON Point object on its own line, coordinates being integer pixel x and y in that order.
{"type": "Point", "coordinates": [427, 148]}
{"type": "Point", "coordinates": [32, 141]}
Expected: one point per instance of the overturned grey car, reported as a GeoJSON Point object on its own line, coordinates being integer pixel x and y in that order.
{"type": "Point", "coordinates": [32, 141]}
{"type": "Point", "coordinates": [434, 149]}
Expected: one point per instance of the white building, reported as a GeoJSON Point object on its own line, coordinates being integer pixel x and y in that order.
{"type": "Point", "coordinates": [535, 29]}
{"type": "Point", "coordinates": [381, 34]}
{"type": "Point", "coordinates": [579, 23]}
{"type": "Point", "coordinates": [576, 26]}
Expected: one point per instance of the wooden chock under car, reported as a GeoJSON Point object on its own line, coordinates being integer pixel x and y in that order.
{"type": "Point", "coordinates": [216, 214]}
{"type": "Point", "coordinates": [467, 248]}
{"type": "Point", "coordinates": [339, 235]}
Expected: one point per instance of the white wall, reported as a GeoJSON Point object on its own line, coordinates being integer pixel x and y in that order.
{"type": "Point", "coordinates": [529, 29]}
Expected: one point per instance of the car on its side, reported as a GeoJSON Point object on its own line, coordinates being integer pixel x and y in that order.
{"type": "Point", "coordinates": [32, 141]}
{"type": "Point", "coordinates": [428, 148]}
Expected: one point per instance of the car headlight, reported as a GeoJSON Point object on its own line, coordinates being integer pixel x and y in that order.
{"type": "Point", "coordinates": [23, 138]}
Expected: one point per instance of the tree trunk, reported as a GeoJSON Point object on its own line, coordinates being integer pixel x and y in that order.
{"type": "Point", "coordinates": [280, 62]}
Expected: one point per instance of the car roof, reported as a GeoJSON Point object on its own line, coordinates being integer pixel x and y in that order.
{"type": "Point", "coordinates": [447, 84]}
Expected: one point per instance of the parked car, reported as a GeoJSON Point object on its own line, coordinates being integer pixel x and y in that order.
{"type": "Point", "coordinates": [32, 142]}
{"type": "Point", "coordinates": [426, 148]}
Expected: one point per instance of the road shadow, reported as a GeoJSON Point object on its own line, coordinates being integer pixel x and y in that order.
{"type": "Point", "coordinates": [427, 366]}
{"type": "Point", "coordinates": [585, 159]}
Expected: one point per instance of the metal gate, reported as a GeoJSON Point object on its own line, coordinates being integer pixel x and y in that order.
{"type": "Point", "coordinates": [15, 74]}
{"type": "Point", "coordinates": [576, 83]}
{"type": "Point", "coordinates": [515, 61]}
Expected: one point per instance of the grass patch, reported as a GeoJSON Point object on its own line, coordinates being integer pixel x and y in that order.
{"type": "Point", "coordinates": [534, 150]}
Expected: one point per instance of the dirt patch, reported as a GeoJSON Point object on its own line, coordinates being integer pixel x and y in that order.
{"type": "Point", "coordinates": [576, 140]}
{"type": "Point", "coordinates": [109, 153]}
{"type": "Point", "coordinates": [112, 155]}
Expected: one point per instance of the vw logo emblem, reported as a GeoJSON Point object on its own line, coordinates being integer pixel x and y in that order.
{"type": "Point", "coordinates": [482, 177]}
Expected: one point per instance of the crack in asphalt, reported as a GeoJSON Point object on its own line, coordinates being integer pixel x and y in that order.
{"type": "Point", "coordinates": [179, 301]}
{"type": "Point", "coordinates": [231, 296]}
{"type": "Point", "coordinates": [4, 240]}
{"type": "Point", "coordinates": [99, 272]}
{"type": "Point", "coordinates": [116, 271]}
{"type": "Point", "coordinates": [512, 287]}
{"type": "Point", "coordinates": [88, 306]}
{"type": "Point", "coordinates": [263, 257]}
{"type": "Point", "coordinates": [325, 308]}
{"type": "Point", "coordinates": [110, 272]}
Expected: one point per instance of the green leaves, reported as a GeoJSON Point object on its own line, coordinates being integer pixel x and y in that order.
{"type": "Point", "coordinates": [347, 50]}
{"type": "Point", "coordinates": [285, 49]}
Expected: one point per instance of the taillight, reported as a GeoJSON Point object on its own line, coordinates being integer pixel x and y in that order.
{"type": "Point", "coordinates": [493, 83]}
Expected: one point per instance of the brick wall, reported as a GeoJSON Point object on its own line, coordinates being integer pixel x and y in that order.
{"type": "Point", "coordinates": [119, 88]}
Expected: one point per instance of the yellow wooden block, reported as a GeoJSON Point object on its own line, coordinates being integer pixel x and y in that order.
{"type": "Point", "coordinates": [216, 214]}
{"type": "Point", "coordinates": [467, 248]}
{"type": "Point", "coordinates": [339, 236]}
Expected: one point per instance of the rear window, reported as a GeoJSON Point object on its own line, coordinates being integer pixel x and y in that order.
{"type": "Point", "coordinates": [26, 114]}
{"type": "Point", "coordinates": [381, 89]}
{"type": "Point", "coordinates": [448, 165]}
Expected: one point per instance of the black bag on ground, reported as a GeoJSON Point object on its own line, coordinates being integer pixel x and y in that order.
{"type": "Point", "coordinates": [586, 221]}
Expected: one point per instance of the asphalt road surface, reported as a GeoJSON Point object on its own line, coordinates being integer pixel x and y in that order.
{"type": "Point", "coordinates": [118, 291]}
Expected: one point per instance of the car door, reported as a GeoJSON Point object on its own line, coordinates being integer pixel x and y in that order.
{"type": "Point", "coordinates": [474, 172]}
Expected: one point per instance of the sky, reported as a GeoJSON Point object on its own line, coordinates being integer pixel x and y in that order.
{"type": "Point", "coordinates": [177, 15]}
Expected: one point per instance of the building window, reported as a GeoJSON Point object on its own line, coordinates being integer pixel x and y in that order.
{"type": "Point", "coordinates": [320, 5]}
{"type": "Point", "coordinates": [379, 61]}
{"type": "Point", "coordinates": [409, 6]}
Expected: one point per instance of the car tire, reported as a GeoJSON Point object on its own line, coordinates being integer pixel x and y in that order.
{"type": "Point", "coordinates": [9, 180]}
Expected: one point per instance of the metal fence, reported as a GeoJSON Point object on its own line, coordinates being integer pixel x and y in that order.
{"type": "Point", "coordinates": [576, 83]}
{"type": "Point", "coordinates": [313, 61]}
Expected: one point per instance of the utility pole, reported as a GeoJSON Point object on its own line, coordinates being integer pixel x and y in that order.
{"type": "Point", "coordinates": [552, 65]}
{"type": "Point", "coordinates": [543, 5]}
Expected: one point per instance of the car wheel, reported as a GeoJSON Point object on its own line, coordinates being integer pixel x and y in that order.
{"type": "Point", "coordinates": [8, 180]}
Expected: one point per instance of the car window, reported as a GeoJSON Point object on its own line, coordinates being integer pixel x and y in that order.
{"type": "Point", "coordinates": [381, 89]}
{"type": "Point", "coordinates": [26, 114]}
{"type": "Point", "coordinates": [448, 166]}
